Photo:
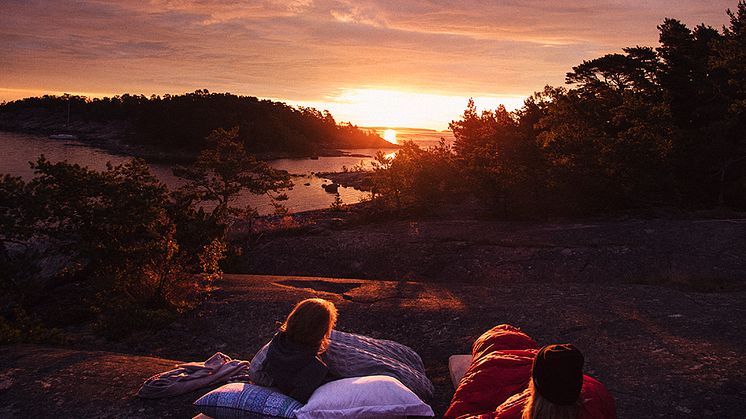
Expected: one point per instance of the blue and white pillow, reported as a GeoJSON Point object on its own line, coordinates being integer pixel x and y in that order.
{"type": "Point", "coordinates": [244, 400]}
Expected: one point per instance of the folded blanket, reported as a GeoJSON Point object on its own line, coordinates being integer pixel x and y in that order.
{"type": "Point", "coordinates": [351, 355]}
{"type": "Point", "coordinates": [193, 375]}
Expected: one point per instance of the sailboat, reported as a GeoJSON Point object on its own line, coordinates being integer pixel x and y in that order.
{"type": "Point", "coordinates": [65, 136]}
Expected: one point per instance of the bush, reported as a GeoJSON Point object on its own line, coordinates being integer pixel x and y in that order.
{"type": "Point", "coordinates": [22, 328]}
{"type": "Point", "coordinates": [415, 177]}
{"type": "Point", "coordinates": [118, 242]}
{"type": "Point", "coordinates": [111, 231]}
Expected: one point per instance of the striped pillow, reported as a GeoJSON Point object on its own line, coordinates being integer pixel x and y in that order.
{"type": "Point", "coordinates": [244, 400]}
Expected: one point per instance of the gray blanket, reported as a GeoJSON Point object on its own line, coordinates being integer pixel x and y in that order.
{"type": "Point", "coordinates": [351, 355]}
{"type": "Point", "coordinates": [219, 369]}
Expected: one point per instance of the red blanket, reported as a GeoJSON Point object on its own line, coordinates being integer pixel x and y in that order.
{"type": "Point", "coordinates": [495, 385]}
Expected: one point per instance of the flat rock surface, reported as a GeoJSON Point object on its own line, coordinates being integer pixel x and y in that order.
{"type": "Point", "coordinates": [39, 382]}
{"type": "Point", "coordinates": [674, 251]}
{"type": "Point", "coordinates": [661, 352]}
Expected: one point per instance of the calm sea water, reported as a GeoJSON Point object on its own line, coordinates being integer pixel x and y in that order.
{"type": "Point", "coordinates": [17, 150]}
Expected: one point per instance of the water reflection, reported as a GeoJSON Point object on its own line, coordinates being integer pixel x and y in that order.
{"type": "Point", "coordinates": [19, 149]}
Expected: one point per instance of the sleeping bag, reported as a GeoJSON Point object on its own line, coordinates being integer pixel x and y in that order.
{"type": "Point", "coordinates": [496, 383]}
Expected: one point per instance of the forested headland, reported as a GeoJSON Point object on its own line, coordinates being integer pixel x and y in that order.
{"type": "Point", "coordinates": [648, 127]}
{"type": "Point", "coordinates": [180, 123]}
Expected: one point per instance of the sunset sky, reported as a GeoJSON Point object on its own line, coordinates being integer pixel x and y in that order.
{"type": "Point", "coordinates": [374, 63]}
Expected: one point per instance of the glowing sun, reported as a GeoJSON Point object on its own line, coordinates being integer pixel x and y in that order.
{"type": "Point", "coordinates": [390, 136]}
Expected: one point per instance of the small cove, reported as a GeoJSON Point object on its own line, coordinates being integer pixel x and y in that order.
{"type": "Point", "coordinates": [18, 149]}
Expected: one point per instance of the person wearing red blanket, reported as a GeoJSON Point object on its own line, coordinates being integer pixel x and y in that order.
{"type": "Point", "coordinates": [510, 377]}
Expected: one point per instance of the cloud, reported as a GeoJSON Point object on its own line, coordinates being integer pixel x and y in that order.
{"type": "Point", "coordinates": [305, 50]}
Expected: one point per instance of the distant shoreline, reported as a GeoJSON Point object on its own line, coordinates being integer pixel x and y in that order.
{"type": "Point", "coordinates": [174, 128]}
{"type": "Point", "coordinates": [109, 140]}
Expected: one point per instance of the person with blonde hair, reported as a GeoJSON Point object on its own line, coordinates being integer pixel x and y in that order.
{"type": "Point", "coordinates": [510, 377]}
{"type": "Point", "coordinates": [306, 353]}
{"type": "Point", "coordinates": [293, 359]}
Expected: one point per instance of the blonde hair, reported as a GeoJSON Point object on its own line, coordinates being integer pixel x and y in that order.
{"type": "Point", "coordinates": [311, 322]}
{"type": "Point", "coordinates": [537, 407]}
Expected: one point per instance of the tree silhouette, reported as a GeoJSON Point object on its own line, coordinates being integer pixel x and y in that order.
{"type": "Point", "coordinates": [223, 171]}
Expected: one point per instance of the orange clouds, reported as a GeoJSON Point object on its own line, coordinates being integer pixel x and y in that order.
{"type": "Point", "coordinates": [306, 50]}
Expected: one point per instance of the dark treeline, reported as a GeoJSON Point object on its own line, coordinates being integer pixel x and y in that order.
{"type": "Point", "coordinates": [115, 250]}
{"type": "Point", "coordinates": [181, 122]}
{"type": "Point", "coordinates": [648, 127]}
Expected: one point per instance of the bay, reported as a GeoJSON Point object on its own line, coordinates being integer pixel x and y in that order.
{"type": "Point", "coordinates": [17, 150]}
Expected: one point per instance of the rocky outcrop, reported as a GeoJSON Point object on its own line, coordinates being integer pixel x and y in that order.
{"type": "Point", "coordinates": [360, 180]}
{"type": "Point", "coordinates": [704, 254]}
{"type": "Point", "coordinates": [38, 381]}
{"type": "Point", "coordinates": [660, 351]}
{"type": "Point", "coordinates": [331, 187]}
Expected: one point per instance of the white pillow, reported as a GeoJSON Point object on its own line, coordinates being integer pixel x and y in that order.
{"type": "Point", "coordinates": [457, 366]}
{"type": "Point", "coordinates": [374, 396]}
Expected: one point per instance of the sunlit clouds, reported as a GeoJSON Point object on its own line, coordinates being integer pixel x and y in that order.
{"type": "Point", "coordinates": [339, 55]}
{"type": "Point", "coordinates": [390, 135]}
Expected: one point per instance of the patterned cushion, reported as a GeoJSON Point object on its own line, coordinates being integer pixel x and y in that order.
{"type": "Point", "coordinates": [351, 355]}
{"type": "Point", "coordinates": [243, 400]}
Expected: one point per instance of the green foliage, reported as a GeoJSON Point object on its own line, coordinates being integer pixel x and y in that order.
{"type": "Point", "coordinates": [16, 215]}
{"type": "Point", "coordinates": [23, 328]}
{"type": "Point", "coordinates": [642, 128]}
{"type": "Point", "coordinates": [337, 204]}
{"type": "Point", "coordinates": [222, 172]}
{"type": "Point", "coordinates": [111, 231]}
{"type": "Point", "coordinates": [654, 126]}
{"type": "Point", "coordinates": [703, 70]}
{"type": "Point", "coordinates": [728, 67]}
{"type": "Point", "coordinates": [209, 261]}
{"type": "Point", "coordinates": [636, 71]}
{"type": "Point", "coordinates": [414, 177]}
{"type": "Point", "coordinates": [117, 244]}
{"type": "Point", "coordinates": [604, 154]}
{"type": "Point", "coordinates": [499, 156]}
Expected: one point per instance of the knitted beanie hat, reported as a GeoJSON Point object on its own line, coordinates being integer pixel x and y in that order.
{"type": "Point", "coordinates": [558, 373]}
